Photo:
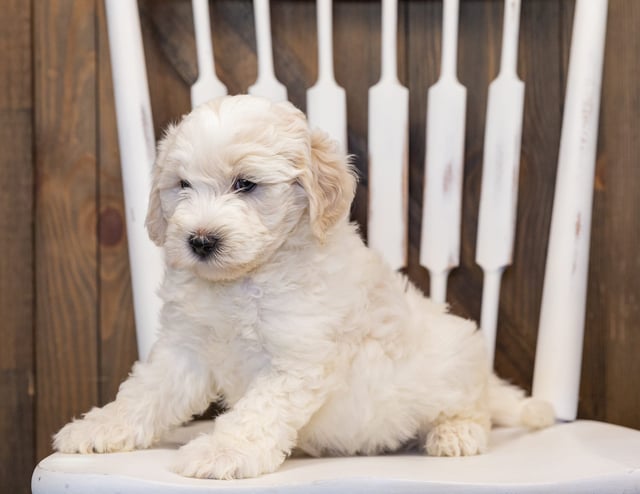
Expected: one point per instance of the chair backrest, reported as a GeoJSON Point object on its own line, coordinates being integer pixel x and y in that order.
{"type": "Point", "coordinates": [558, 356]}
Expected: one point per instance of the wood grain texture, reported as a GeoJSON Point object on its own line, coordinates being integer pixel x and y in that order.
{"type": "Point", "coordinates": [608, 390]}
{"type": "Point", "coordinates": [293, 25]}
{"type": "Point", "coordinates": [65, 234]}
{"type": "Point", "coordinates": [17, 431]}
{"type": "Point", "coordinates": [168, 83]}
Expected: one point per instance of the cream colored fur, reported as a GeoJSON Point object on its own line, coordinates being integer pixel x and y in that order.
{"type": "Point", "coordinates": [309, 337]}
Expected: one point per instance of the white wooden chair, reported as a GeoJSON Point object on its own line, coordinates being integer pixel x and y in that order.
{"type": "Point", "coordinates": [572, 456]}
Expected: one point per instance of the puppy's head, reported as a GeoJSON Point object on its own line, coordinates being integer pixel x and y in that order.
{"type": "Point", "coordinates": [234, 179]}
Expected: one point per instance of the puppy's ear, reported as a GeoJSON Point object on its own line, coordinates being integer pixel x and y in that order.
{"type": "Point", "coordinates": [155, 222]}
{"type": "Point", "coordinates": [329, 182]}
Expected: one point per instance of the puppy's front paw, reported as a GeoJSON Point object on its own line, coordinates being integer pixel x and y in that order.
{"type": "Point", "coordinates": [214, 457]}
{"type": "Point", "coordinates": [98, 432]}
{"type": "Point", "coordinates": [457, 438]}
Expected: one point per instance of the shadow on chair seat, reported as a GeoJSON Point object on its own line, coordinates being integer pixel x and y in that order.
{"type": "Point", "coordinates": [574, 457]}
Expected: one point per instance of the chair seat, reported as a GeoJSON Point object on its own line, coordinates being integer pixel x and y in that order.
{"type": "Point", "coordinates": [572, 457]}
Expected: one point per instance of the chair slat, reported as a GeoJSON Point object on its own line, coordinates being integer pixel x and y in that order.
{"type": "Point", "coordinates": [207, 86]}
{"type": "Point", "coordinates": [559, 349]}
{"type": "Point", "coordinates": [442, 203]}
{"type": "Point", "coordinates": [500, 169]}
{"type": "Point", "coordinates": [388, 151]}
{"type": "Point", "coordinates": [137, 153]}
{"type": "Point", "coordinates": [326, 101]}
{"type": "Point", "coordinates": [266, 85]}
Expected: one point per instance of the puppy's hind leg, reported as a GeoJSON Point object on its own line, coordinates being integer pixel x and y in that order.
{"type": "Point", "coordinates": [462, 434]}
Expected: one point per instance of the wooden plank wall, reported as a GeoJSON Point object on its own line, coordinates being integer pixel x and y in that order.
{"type": "Point", "coordinates": [67, 325]}
{"type": "Point", "coordinates": [17, 384]}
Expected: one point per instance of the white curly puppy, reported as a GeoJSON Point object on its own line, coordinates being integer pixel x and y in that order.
{"type": "Point", "coordinates": [273, 303]}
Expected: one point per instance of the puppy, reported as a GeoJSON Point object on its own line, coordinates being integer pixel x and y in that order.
{"type": "Point", "coordinates": [273, 304]}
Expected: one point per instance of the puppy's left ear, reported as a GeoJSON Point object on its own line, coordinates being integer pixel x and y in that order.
{"type": "Point", "coordinates": [329, 182]}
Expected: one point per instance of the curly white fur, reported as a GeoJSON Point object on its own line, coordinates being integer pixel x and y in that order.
{"type": "Point", "coordinates": [308, 336]}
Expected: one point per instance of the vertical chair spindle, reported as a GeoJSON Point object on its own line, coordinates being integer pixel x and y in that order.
{"type": "Point", "coordinates": [388, 150]}
{"type": "Point", "coordinates": [266, 85]}
{"type": "Point", "coordinates": [559, 350]}
{"type": "Point", "coordinates": [137, 153]}
{"type": "Point", "coordinates": [207, 86]}
{"type": "Point", "coordinates": [326, 100]}
{"type": "Point", "coordinates": [442, 203]}
{"type": "Point", "coordinates": [501, 163]}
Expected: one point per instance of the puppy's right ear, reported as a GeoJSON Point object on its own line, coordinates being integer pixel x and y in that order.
{"type": "Point", "coordinates": [155, 222]}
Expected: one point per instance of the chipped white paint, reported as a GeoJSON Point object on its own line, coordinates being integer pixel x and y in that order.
{"type": "Point", "coordinates": [501, 163]}
{"type": "Point", "coordinates": [266, 85]}
{"type": "Point", "coordinates": [207, 86]}
{"type": "Point", "coordinates": [326, 100]}
{"type": "Point", "coordinates": [388, 148]}
{"type": "Point", "coordinates": [560, 336]}
{"type": "Point", "coordinates": [442, 203]}
{"type": "Point", "coordinates": [137, 153]}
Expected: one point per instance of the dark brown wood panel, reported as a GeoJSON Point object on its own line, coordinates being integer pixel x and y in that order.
{"type": "Point", "coordinates": [608, 390]}
{"type": "Point", "coordinates": [293, 24]}
{"type": "Point", "coordinates": [169, 82]}
{"type": "Point", "coordinates": [65, 234]}
{"type": "Point", "coordinates": [17, 452]}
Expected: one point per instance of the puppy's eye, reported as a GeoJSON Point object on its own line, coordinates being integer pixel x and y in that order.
{"type": "Point", "coordinates": [184, 184]}
{"type": "Point", "coordinates": [242, 185]}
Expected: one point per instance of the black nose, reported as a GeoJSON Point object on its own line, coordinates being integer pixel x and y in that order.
{"type": "Point", "coordinates": [203, 245]}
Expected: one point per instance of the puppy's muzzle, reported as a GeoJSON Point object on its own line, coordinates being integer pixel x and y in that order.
{"type": "Point", "coordinates": [203, 246]}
